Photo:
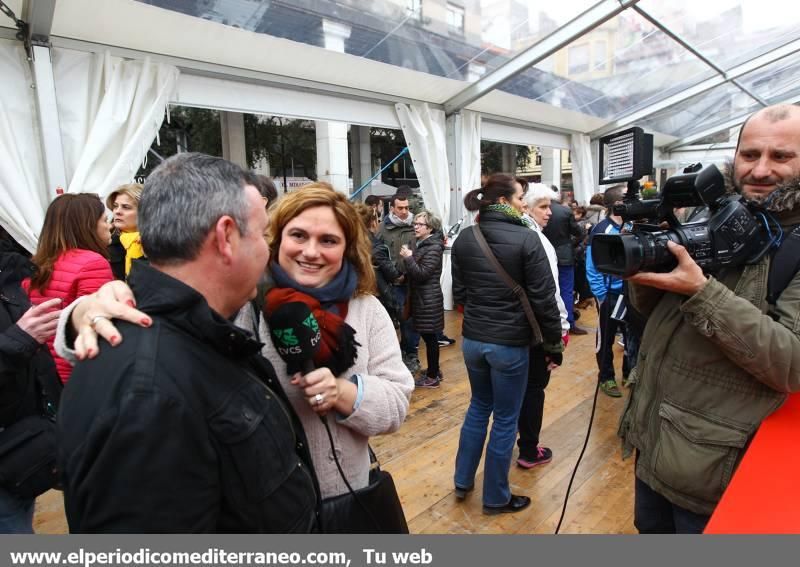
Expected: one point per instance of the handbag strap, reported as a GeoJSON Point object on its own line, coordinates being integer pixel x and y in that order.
{"type": "Point", "coordinates": [509, 281]}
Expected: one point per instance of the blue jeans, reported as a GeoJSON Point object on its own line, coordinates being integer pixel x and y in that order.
{"type": "Point", "coordinates": [16, 514]}
{"type": "Point", "coordinates": [409, 337]}
{"type": "Point", "coordinates": [566, 285]}
{"type": "Point", "coordinates": [498, 376]}
{"type": "Point", "coordinates": [654, 514]}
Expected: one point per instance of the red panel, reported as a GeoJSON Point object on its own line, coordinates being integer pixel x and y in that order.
{"type": "Point", "coordinates": [764, 495]}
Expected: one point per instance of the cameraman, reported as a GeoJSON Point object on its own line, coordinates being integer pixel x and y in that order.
{"type": "Point", "coordinates": [716, 357]}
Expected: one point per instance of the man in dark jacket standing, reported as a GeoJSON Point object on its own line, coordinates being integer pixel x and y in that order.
{"type": "Point", "coordinates": [184, 427]}
{"type": "Point", "coordinates": [397, 231]}
{"type": "Point", "coordinates": [29, 384]}
{"type": "Point", "coordinates": [559, 231]}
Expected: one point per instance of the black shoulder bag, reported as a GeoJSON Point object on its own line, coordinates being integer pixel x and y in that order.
{"type": "Point", "coordinates": [374, 509]}
{"type": "Point", "coordinates": [536, 335]}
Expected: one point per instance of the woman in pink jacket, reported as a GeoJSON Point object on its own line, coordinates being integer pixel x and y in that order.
{"type": "Point", "coordinates": [72, 256]}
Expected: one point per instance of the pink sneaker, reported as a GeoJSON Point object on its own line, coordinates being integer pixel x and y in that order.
{"type": "Point", "coordinates": [543, 456]}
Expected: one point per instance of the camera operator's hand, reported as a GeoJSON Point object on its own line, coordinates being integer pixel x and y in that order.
{"type": "Point", "coordinates": [686, 279]}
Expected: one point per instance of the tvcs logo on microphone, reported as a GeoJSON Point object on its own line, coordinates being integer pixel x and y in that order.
{"type": "Point", "coordinates": [286, 337]}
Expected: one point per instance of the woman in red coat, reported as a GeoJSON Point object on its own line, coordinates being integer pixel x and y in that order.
{"type": "Point", "coordinates": [72, 257]}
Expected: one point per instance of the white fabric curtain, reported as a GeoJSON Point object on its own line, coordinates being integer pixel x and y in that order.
{"type": "Point", "coordinates": [23, 193]}
{"type": "Point", "coordinates": [110, 111]}
{"type": "Point", "coordinates": [470, 160]}
{"type": "Point", "coordinates": [583, 178]}
{"type": "Point", "coordinates": [425, 133]}
{"type": "Point", "coordinates": [470, 157]}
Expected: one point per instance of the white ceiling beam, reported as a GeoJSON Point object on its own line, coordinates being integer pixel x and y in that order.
{"type": "Point", "coordinates": [218, 71]}
{"type": "Point", "coordinates": [563, 36]}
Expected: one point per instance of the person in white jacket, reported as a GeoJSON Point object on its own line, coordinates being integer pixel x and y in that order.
{"type": "Point", "coordinates": [537, 200]}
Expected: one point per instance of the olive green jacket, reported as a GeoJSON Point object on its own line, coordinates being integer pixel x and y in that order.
{"type": "Point", "coordinates": [395, 236]}
{"type": "Point", "coordinates": [711, 367]}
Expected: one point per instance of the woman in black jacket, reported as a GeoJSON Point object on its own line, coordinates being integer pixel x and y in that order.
{"type": "Point", "coordinates": [29, 384]}
{"type": "Point", "coordinates": [497, 336]}
{"type": "Point", "coordinates": [424, 270]}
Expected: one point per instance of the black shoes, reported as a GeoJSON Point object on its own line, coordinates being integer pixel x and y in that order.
{"type": "Point", "coordinates": [516, 504]}
{"type": "Point", "coordinates": [461, 493]}
{"type": "Point", "coordinates": [575, 330]}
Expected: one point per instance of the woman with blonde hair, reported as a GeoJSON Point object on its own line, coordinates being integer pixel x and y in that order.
{"type": "Point", "coordinates": [321, 256]}
{"type": "Point", "coordinates": [126, 245]}
{"type": "Point", "coordinates": [72, 256]}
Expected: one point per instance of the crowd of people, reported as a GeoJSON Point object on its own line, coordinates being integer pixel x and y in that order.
{"type": "Point", "coordinates": [206, 408]}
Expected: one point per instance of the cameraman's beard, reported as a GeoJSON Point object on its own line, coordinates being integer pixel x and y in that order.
{"type": "Point", "coordinates": [755, 197]}
{"type": "Point", "coordinates": [791, 184]}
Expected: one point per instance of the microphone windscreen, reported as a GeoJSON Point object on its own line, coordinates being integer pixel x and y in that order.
{"type": "Point", "coordinates": [295, 334]}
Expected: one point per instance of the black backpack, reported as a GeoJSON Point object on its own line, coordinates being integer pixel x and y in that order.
{"type": "Point", "coordinates": [785, 265]}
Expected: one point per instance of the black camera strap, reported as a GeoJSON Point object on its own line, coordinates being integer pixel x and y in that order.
{"type": "Point", "coordinates": [784, 266]}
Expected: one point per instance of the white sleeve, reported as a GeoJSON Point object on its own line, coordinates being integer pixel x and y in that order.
{"type": "Point", "coordinates": [65, 351]}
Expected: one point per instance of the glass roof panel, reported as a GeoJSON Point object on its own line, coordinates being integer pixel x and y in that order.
{"type": "Point", "coordinates": [462, 39]}
{"type": "Point", "coordinates": [509, 27]}
{"type": "Point", "coordinates": [776, 82]}
{"type": "Point", "coordinates": [414, 34]}
{"type": "Point", "coordinates": [729, 32]}
{"type": "Point", "coordinates": [624, 65]}
{"type": "Point", "coordinates": [620, 66]}
{"type": "Point", "coordinates": [701, 111]}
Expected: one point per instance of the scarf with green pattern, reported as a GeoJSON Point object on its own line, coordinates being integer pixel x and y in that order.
{"type": "Point", "coordinates": [513, 214]}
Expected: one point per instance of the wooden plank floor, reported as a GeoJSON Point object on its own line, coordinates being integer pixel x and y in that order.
{"type": "Point", "coordinates": [421, 455]}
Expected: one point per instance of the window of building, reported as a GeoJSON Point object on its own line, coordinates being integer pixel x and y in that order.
{"type": "Point", "coordinates": [415, 8]}
{"type": "Point", "coordinates": [578, 56]}
{"type": "Point", "coordinates": [455, 18]}
{"type": "Point", "coordinates": [599, 58]}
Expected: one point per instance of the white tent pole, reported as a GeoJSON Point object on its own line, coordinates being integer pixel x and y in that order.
{"type": "Point", "coordinates": [47, 114]}
{"type": "Point", "coordinates": [39, 18]}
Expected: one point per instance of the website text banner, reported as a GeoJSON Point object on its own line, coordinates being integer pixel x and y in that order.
{"type": "Point", "coordinates": [396, 551]}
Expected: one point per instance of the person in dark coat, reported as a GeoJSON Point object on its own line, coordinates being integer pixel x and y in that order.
{"type": "Point", "coordinates": [560, 231]}
{"type": "Point", "coordinates": [29, 384]}
{"type": "Point", "coordinates": [386, 273]}
{"type": "Point", "coordinates": [424, 270]}
{"type": "Point", "coordinates": [497, 335]}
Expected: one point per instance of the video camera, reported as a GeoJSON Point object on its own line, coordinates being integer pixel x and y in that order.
{"type": "Point", "coordinates": [729, 234]}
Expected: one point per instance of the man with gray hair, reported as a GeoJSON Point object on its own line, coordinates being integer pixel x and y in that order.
{"type": "Point", "coordinates": [184, 427]}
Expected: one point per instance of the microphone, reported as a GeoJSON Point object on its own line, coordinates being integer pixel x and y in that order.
{"type": "Point", "coordinates": [295, 333]}
{"type": "Point", "coordinates": [296, 336]}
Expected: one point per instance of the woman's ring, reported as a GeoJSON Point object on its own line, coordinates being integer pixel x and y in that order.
{"type": "Point", "coordinates": [96, 319]}
{"type": "Point", "coordinates": [318, 399]}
